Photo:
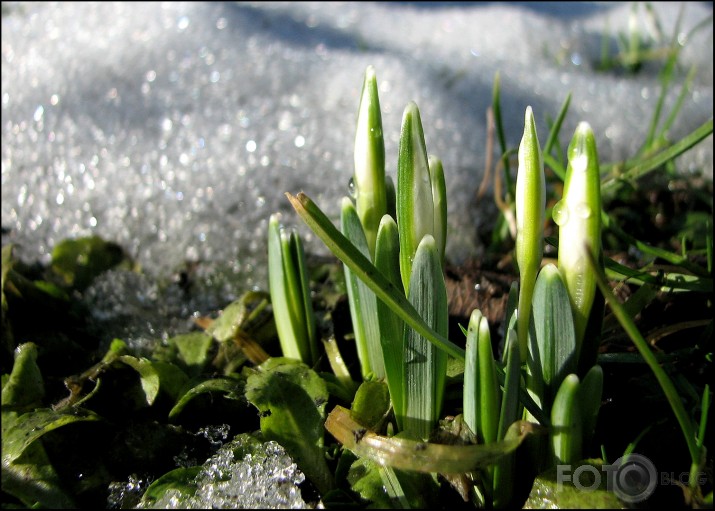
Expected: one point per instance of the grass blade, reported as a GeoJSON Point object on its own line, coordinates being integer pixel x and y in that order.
{"type": "Point", "coordinates": [686, 425]}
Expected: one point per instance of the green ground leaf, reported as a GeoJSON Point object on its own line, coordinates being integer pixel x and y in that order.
{"type": "Point", "coordinates": [148, 375]}
{"type": "Point", "coordinates": [180, 480]}
{"type": "Point", "coordinates": [548, 493]}
{"type": "Point", "coordinates": [78, 261]}
{"type": "Point", "coordinates": [367, 478]}
{"type": "Point", "coordinates": [232, 388]}
{"type": "Point", "coordinates": [32, 425]}
{"type": "Point", "coordinates": [371, 403]}
{"type": "Point", "coordinates": [25, 386]}
{"type": "Point", "coordinates": [362, 301]}
{"type": "Point", "coordinates": [33, 480]}
{"type": "Point", "coordinates": [193, 348]}
{"type": "Point", "coordinates": [172, 380]}
{"type": "Point", "coordinates": [291, 399]}
{"type": "Point", "coordinates": [226, 325]}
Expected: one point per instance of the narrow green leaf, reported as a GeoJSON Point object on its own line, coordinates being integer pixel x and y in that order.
{"type": "Point", "coordinates": [439, 198]}
{"type": "Point", "coordinates": [566, 435]}
{"type": "Point", "coordinates": [481, 393]}
{"type": "Point", "coordinates": [362, 301]}
{"type": "Point", "coordinates": [305, 312]}
{"type": "Point", "coordinates": [426, 364]}
{"type": "Point", "coordinates": [511, 309]}
{"type": "Point", "coordinates": [393, 488]}
{"type": "Point", "coordinates": [510, 405]}
{"type": "Point", "coordinates": [684, 420]}
{"type": "Point", "coordinates": [554, 135]}
{"type": "Point", "coordinates": [704, 409]}
{"type": "Point", "coordinates": [554, 345]}
{"type": "Point", "coordinates": [278, 285]}
{"type": "Point", "coordinates": [496, 107]}
{"type": "Point", "coordinates": [387, 261]}
{"type": "Point", "coordinates": [290, 296]}
{"type": "Point", "coordinates": [504, 474]}
{"type": "Point", "coordinates": [590, 401]}
{"type": "Point", "coordinates": [488, 389]}
{"type": "Point", "coordinates": [470, 392]}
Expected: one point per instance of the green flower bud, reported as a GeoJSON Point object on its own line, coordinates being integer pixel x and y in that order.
{"type": "Point", "coordinates": [369, 177]}
{"type": "Point", "coordinates": [530, 207]}
{"type": "Point", "coordinates": [415, 206]}
{"type": "Point", "coordinates": [578, 215]}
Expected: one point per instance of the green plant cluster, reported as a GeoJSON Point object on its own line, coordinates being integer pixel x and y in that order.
{"type": "Point", "coordinates": [554, 316]}
{"type": "Point", "coordinates": [384, 407]}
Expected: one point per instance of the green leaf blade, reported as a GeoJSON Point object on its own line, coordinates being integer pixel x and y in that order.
{"type": "Point", "coordinates": [362, 301]}
{"type": "Point", "coordinates": [426, 364]}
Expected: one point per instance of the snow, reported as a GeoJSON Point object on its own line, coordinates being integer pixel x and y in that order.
{"type": "Point", "coordinates": [175, 128]}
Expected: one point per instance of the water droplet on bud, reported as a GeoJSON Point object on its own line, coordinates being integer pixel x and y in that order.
{"type": "Point", "coordinates": [352, 189]}
{"type": "Point", "coordinates": [560, 213]}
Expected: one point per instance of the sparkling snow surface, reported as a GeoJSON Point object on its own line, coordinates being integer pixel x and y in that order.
{"type": "Point", "coordinates": [175, 128]}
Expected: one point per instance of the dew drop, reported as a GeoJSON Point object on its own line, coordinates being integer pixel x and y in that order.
{"type": "Point", "coordinates": [582, 210]}
{"type": "Point", "coordinates": [352, 189]}
{"type": "Point", "coordinates": [560, 213]}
